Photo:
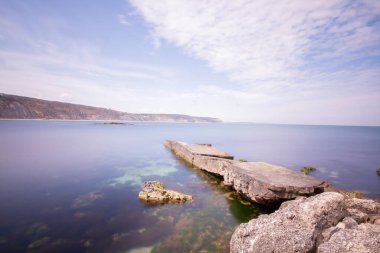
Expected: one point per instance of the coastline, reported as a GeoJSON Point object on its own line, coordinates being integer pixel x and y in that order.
{"type": "Point", "coordinates": [109, 120]}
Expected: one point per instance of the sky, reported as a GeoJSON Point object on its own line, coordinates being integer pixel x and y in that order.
{"type": "Point", "coordinates": [290, 62]}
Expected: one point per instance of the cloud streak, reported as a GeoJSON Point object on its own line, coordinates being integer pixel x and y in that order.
{"type": "Point", "coordinates": [123, 20]}
{"type": "Point", "coordinates": [268, 42]}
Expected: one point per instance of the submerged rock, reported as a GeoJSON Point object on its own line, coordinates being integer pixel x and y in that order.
{"type": "Point", "coordinates": [327, 222]}
{"type": "Point", "coordinates": [39, 243]}
{"type": "Point", "coordinates": [86, 199]}
{"type": "Point", "coordinates": [378, 171]}
{"type": "Point", "coordinates": [154, 191]}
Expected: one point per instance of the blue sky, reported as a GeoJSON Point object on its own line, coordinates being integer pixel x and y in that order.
{"type": "Point", "coordinates": [306, 62]}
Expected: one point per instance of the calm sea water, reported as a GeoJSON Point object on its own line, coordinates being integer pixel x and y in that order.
{"type": "Point", "coordinates": [72, 186]}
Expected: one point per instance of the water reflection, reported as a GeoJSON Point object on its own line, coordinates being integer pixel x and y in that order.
{"type": "Point", "coordinates": [111, 219]}
{"type": "Point", "coordinates": [60, 194]}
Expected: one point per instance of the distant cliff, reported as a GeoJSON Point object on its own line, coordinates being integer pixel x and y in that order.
{"type": "Point", "coordinates": [18, 107]}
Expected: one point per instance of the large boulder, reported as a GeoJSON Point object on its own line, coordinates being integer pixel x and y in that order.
{"type": "Point", "coordinates": [296, 227]}
{"type": "Point", "coordinates": [327, 222]}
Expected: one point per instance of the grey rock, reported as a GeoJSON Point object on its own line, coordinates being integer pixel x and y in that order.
{"type": "Point", "coordinates": [363, 210]}
{"type": "Point", "coordinates": [357, 215]}
{"type": "Point", "coordinates": [296, 227]}
{"type": "Point", "coordinates": [206, 150]}
{"type": "Point", "coordinates": [327, 222]}
{"type": "Point", "coordinates": [368, 206]}
{"type": "Point", "coordinates": [327, 233]}
{"type": "Point", "coordinates": [364, 238]}
{"type": "Point", "coordinates": [347, 222]}
{"type": "Point", "coordinates": [374, 219]}
{"type": "Point", "coordinates": [262, 182]}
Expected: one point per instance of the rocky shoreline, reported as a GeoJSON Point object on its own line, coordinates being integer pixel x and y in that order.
{"type": "Point", "coordinates": [308, 220]}
{"type": "Point", "coordinates": [325, 223]}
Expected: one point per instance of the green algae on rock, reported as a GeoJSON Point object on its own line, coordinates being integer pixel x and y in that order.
{"type": "Point", "coordinates": [307, 169]}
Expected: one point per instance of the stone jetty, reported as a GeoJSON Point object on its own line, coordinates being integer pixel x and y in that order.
{"type": "Point", "coordinates": [263, 183]}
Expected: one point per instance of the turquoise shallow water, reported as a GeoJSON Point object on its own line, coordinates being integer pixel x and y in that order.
{"type": "Point", "coordinates": [72, 186]}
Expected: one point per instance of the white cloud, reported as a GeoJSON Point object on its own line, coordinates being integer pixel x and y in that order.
{"type": "Point", "coordinates": [123, 20]}
{"type": "Point", "coordinates": [290, 61]}
{"type": "Point", "coordinates": [265, 42]}
{"type": "Point", "coordinates": [54, 66]}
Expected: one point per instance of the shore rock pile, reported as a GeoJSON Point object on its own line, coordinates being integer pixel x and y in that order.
{"type": "Point", "coordinates": [327, 222]}
{"type": "Point", "coordinates": [154, 191]}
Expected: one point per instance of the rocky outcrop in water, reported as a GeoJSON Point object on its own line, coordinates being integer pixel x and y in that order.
{"type": "Point", "coordinates": [261, 182]}
{"type": "Point", "coordinates": [155, 192]}
{"type": "Point", "coordinates": [327, 222]}
{"type": "Point", "coordinates": [18, 107]}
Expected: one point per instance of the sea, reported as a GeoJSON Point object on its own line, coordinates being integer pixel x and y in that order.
{"type": "Point", "coordinates": [72, 186]}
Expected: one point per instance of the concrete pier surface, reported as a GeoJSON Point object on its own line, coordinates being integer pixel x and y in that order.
{"type": "Point", "coordinates": [262, 182]}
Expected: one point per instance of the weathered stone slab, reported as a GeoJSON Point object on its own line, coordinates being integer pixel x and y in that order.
{"type": "Point", "coordinates": [214, 161]}
{"type": "Point", "coordinates": [206, 150]}
{"type": "Point", "coordinates": [265, 182]}
{"type": "Point", "coordinates": [262, 182]}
